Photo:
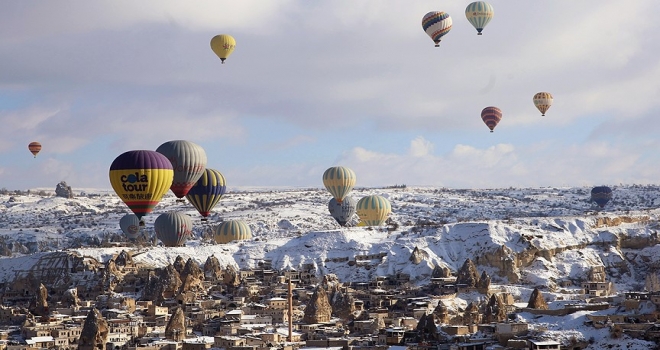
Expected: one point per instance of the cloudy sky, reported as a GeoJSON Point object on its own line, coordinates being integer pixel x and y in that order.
{"type": "Point", "coordinates": [314, 84]}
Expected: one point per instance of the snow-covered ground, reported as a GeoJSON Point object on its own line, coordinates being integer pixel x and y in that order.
{"type": "Point", "coordinates": [556, 235]}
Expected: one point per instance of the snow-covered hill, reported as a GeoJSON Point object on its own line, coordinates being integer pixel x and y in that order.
{"type": "Point", "coordinates": [537, 236]}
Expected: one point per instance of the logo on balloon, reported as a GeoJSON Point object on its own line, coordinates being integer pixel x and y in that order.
{"type": "Point", "coordinates": [134, 182]}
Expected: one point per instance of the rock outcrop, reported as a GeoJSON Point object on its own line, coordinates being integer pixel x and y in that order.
{"type": "Point", "coordinates": [495, 310]}
{"type": "Point", "coordinates": [484, 283]}
{"type": "Point", "coordinates": [212, 269]}
{"type": "Point", "coordinates": [318, 309]}
{"type": "Point", "coordinates": [176, 326]}
{"type": "Point", "coordinates": [468, 274]}
{"type": "Point", "coordinates": [94, 332]}
{"type": "Point", "coordinates": [536, 300]}
{"type": "Point", "coordinates": [63, 190]}
{"type": "Point", "coordinates": [39, 304]}
{"type": "Point", "coordinates": [418, 255]}
{"type": "Point", "coordinates": [164, 283]}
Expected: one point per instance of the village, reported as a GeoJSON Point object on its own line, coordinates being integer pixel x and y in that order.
{"type": "Point", "coordinates": [70, 301]}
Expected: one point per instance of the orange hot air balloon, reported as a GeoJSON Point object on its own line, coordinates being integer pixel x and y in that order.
{"type": "Point", "coordinates": [34, 148]}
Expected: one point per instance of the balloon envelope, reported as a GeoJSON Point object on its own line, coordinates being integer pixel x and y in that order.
{"type": "Point", "coordinates": [339, 181]}
{"type": "Point", "coordinates": [207, 192]}
{"type": "Point", "coordinates": [479, 13]}
{"type": "Point", "coordinates": [601, 195]}
{"type": "Point", "coordinates": [141, 178]}
{"type": "Point", "coordinates": [188, 162]}
{"type": "Point", "coordinates": [34, 148]}
{"type": "Point", "coordinates": [223, 45]}
{"type": "Point", "coordinates": [344, 211]}
{"type": "Point", "coordinates": [491, 116]}
{"type": "Point", "coordinates": [373, 210]}
{"type": "Point", "coordinates": [543, 101]}
{"type": "Point", "coordinates": [436, 24]}
{"type": "Point", "coordinates": [173, 229]}
{"type": "Point", "coordinates": [232, 230]}
{"type": "Point", "coordinates": [130, 224]}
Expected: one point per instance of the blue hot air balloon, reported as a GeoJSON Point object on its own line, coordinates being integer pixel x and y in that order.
{"type": "Point", "coordinates": [601, 195]}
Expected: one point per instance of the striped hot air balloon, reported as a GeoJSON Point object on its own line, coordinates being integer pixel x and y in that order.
{"type": "Point", "coordinates": [232, 230]}
{"type": "Point", "coordinates": [141, 178]}
{"type": "Point", "coordinates": [207, 192]}
{"type": "Point", "coordinates": [35, 148]}
{"type": "Point", "coordinates": [543, 101]}
{"type": "Point", "coordinates": [373, 210]}
{"type": "Point", "coordinates": [130, 225]}
{"type": "Point", "coordinates": [339, 181]}
{"type": "Point", "coordinates": [479, 13]}
{"type": "Point", "coordinates": [188, 162]}
{"type": "Point", "coordinates": [436, 24]}
{"type": "Point", "coordinates": [173, 228]}
{"type": "Point", "coordinates": [223, 45]}
{"type": "Point", "coordinates": [344, 211]}
{"type": "Point", "coordinates": [491, 116]}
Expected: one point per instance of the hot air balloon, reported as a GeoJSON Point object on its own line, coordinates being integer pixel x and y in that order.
{"type": "Point", "coordinates": [173, 228]}
{"type": "Point", "coordinates": [339, 181]}
{"type": "Point", "coordinates": [436, 24]}
{"type": "Point", "coordinates": [344, 211]}
{"type": "Point", "coordinates": [373, 210]}
{"type": "Point", "coordinates": [491, 116]}
{"type": "Point", "coordinates": [543, 101]}
{"type": "Point", "coordinates": [207, 192]}
{"type": "Point", "coordinates": [188, 161]}
{"type": "Point", "coordinates": [34, 148]}
{"type": "Point", "coordinates": [479, 13]}
{"type": "Point", "coordinates": [141, 178]}
{"type": "Point", "coordinates": [601, 195]}
{"type": "Point", "coordinates": [223, 45]}
{"type": "Point", "coordinates": [130, 224]}
{"type": "Point", "coordinates": [232, 230]}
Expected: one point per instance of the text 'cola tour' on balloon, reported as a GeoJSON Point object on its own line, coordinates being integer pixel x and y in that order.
{"type": "Point", "coordinates": [141, 178]}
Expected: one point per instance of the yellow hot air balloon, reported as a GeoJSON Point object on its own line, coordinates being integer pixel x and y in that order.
{"type": "Point", "coordinates": [223, 45]}
{"type": "Point", "coordinates": [232, 230]}
{"type": "Point", "coordinates": [141, 178]}
{"type": "Point", "coordinates": [339, 181]}
{"type": "Point", "coordinates": [543, 101]}
{"type": "Point", "coordinates": [373, 210]}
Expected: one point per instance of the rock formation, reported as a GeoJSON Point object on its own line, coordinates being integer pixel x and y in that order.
{"type": "Point", "coordinates": [212, 269]}
{"type": "Point", "coordinates": [179, 264]}
{"type": "Point", "coordinates": [484, 283]}
{"type": "Point", "coordinates": [163, 284]}
{"type": "Point", "coordinates": [418, 255]}
{"type": "Point", "coordinates": [536, 300]}
{"type": "Point", "coordinates": [192, 277]}
{"type": "Point", "coordinates": [426, 327]}
{"type": "Point", "coordinates": [94, 332]}
{"type": "Point", "coordinates": [124, 258]}
{"type": "Point", "coordinates": [39, 304]}
{"type": "Point", "coordinates": [318, 309]}
{"type": "Point", "coordinates": [231, 277]}
{"type": "Point", "coordinates": [176, 327]}
{"type": "Point", "coordinates": [467, 274]}
{"type": "Point", "coordinates": [471, 314]}
{"type": "Point", "coordinates": [342, 304]}
{"type": "Point", "coordinates": [63, 190]}
{"type": "Point", "coordinates": [442, 313]}
{"type": "Point", "coordinates": [495, 310]}
{"type": "Point", "coordinates": [70, 297]}
{"type": "Point", "coordinates": [441, 272]}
